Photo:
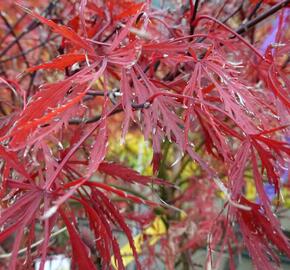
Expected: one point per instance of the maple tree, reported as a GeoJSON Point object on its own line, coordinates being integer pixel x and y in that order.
{"type": "Point", "coordinates": [206, 85]}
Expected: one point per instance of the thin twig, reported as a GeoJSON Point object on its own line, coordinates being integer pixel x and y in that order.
{"type": "Point", "coordinates": [13, 27]}
{"type": "Point", "coordinates": [30, 27]}
{"type": "Point", "coordinates": [96, 118]}
{"type": "Point", "coordinates": [223, 20]}
{"type": "Point", "coordinates": [28, 51]}
{"type": "Point", "coordinates": [23, 250]}
{"type": "Point", "coordinates": [92, 119]}
{"type": "Point", "coordinates": [34, 24]}
{"type": "Point", "coordinates": [15, 37]}
{"type": "Point", "coordinates": [193, 16]}
{"type": "Point", "coordinates": [234, 33]}
{"type": "Point", "coordinates": [245, 27]}
{"type": "Point", "coordinates": [234, 12]}
{"type": "Point", "coordinates": [255, 9]}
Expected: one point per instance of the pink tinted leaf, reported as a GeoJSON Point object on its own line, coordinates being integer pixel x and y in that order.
{"type": "Point", "coordinates": [16, 246]}
{"type": "Point", "coordinates": [161, 117]}
{"type": "Point", "coordinates": [51, 103]}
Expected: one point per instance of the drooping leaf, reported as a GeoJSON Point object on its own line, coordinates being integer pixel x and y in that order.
{"type": "Point", "coordinates": [80, 251]}
{"type": "Point", "coordinates": [127, 174]}
{"type": "Point", "coordinates": [61, 62]}
{"type": "Point", "coordinates": [64, 31]}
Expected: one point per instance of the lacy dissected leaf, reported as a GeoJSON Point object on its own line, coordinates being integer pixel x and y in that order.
{"type": "Point", "coordinates": [31, 120]}
{"type": "Point", "coordinates": [126, 56]}
{"type": "Point", "coordinates": [52, 106]}
{"type": "Point", "coordinates": [269, 155]}
{"type": "Point", "coordinates": [257, 231]}
{"type": "Point", "coordinates": [276, 78]}
{"type": "Point", "coordinates": [233, 94]}
{"type": "Point", "coordinates": [160, 118]}
{"type": "Point", "coordinates": [197, 89]}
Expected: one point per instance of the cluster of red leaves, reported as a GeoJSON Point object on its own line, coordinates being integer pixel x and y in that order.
{"type": "Point", "coordinates": [212, 86]}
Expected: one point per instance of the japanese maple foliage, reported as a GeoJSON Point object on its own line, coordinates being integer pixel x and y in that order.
{"type": "Point", "coordinates": [205, 84]}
